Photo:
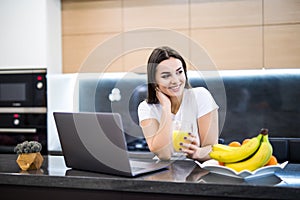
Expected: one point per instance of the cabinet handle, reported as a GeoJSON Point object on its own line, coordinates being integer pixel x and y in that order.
{"type": "Point", "coordinates": [17, 130]}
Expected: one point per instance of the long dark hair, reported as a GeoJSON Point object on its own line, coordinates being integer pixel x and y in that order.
{"type": "Point", "coordinates": [157, 56]}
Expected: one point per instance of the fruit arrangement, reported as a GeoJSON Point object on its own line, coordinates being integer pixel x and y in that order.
{"type": "Point", "coordinates": [252, 154]}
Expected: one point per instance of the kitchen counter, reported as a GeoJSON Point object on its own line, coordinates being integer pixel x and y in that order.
{"type": "Point", "coordinates": [183, 179]}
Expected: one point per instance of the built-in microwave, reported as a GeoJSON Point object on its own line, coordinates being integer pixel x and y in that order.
{"type": "Point", "coordinates": [23, 88]}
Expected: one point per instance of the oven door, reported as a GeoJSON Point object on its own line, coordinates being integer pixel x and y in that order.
{"type": "Point", "coordinates": [23, 88]}
{"type": "Point", "coordinates": [16, 128]}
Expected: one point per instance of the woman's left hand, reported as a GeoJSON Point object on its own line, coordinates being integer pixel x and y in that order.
{"type": "Point", "coordinates": [190, 146]}
{"type": "Point", "coordinates": [193, 149]}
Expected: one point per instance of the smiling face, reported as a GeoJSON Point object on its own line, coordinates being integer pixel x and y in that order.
{"type": "Point", "coordinates": [170, 77]}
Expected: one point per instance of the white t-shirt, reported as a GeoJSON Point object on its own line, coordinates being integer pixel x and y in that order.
{"type": "Point", "coordinates": [196, 102]}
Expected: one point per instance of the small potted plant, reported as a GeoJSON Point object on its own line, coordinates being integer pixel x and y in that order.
{"type": "Point", "coordinates": [29, 156]}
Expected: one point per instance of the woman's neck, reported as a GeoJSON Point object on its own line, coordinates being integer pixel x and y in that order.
{"type": "Point", "coordinates": [175, 103]}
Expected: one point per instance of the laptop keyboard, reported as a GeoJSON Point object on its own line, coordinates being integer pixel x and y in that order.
{"type": "Point", "coordinates": [136, 169]}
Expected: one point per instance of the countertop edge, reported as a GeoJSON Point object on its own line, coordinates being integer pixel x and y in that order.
{"type": "Point", "coordinates": [146, 186]}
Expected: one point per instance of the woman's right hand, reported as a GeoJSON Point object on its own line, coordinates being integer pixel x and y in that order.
{"type": "Point", "coordinates": [163, 99]}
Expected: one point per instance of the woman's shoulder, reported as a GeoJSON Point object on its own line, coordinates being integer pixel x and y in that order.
{"type": "Point", "coordinates": [145, 104]}
{"type": "Point", "coordinates": [204, 100]}
{"type": "Point", "coordinates": [147, 111]}
{"type": "Point", "coordinates": [199, 90]}
{"type": "Point", "coordinates": [201, 94]}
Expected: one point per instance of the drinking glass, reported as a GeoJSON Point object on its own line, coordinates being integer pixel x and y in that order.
{"type": "Point", "coordinates": [181, 130]}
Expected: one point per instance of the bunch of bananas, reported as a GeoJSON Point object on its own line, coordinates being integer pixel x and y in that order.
{"type": "Point", "coordinates": [250, 156]}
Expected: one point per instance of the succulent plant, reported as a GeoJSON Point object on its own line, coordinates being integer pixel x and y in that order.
{"type": "Point", "coordinates": [28, 147]}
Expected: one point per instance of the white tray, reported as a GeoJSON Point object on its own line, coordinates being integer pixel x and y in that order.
{"type": "Point", "coordinates": [214, 167]}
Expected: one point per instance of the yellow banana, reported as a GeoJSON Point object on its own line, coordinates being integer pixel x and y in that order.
{"type": "Point", "coordinates": [240, 153]}
{"type": "Point", "coordinates": [259, 159]}
{"type": "Point", "coordinates": [223, 147]}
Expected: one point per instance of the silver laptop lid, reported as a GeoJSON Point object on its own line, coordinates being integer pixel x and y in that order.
{"type": "Point", "coordinates": [93, 141]}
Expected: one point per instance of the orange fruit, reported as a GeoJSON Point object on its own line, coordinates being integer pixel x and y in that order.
{"type": "Point", "coordinates": [221, 163]}
{"type": "Point", "coordinates": [234, 144]}
{"type": "Point", "coordinates": [245, 141]}
{"type": "Point", "coordinates": [272, 161]}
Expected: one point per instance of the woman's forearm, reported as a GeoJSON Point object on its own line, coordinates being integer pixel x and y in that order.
{"type": "Point", "coordinates": [209, 128]}
{"type": "Point", "coordinates": [162, 141]}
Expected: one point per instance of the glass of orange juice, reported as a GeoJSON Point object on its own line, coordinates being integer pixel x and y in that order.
{"type": "Point", "coordinates": [181, 130]}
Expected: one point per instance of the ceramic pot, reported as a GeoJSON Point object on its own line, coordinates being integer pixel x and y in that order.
{"type": "Point", "coordinates": [28, 161]}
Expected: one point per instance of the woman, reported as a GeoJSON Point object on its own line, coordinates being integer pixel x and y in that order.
{"type": "Point", "coordinates": [170, 98]}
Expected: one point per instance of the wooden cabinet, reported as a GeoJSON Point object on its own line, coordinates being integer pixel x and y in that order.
{"type": "Point", "coordinates": [86, 25]}
{"type": "Point", "coordinates": [228, 13]}
{"type": "Point", "coordinates": [281, 11]}
{"type": "Point", "coordinates": [168, 14]}
{"type": "Point", "coordinates": [91, 17]}
{"type": "Point", "coordinates": [77, 49]}
{"type": "Point", "coordinates": [236, 34]}
{"type": "Point", "coordinates": [232, 48]}
{"type": "Point", "coordinates": [282, 46]}
{"type": "Point", "coordinates": [281, 33]}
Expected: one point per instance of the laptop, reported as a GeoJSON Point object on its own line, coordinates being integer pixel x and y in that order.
{"type": "Point", "coordinates": [96, 142]}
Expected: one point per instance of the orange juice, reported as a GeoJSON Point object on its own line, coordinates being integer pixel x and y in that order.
{"type": "Point", "coordinates": [178, 137]}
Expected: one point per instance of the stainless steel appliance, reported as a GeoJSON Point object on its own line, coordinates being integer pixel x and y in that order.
{"type": "Point", "coordinates": [23, 107]}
